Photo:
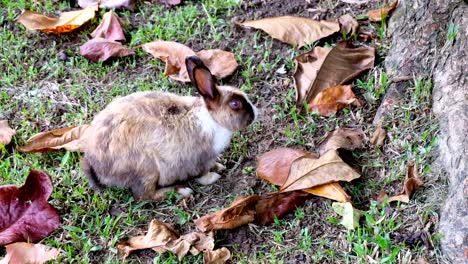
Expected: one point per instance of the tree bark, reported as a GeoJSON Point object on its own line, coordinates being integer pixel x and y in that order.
{"type": "Point", "coordinates": [420, 48]}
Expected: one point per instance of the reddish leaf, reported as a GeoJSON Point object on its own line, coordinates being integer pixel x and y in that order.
{"type": "Point", "coordinates": [23, 253]}
{"type": "Point", "coordinates": [110, 28]}
{"type": "Point", "coordinates": [278, 204]}
{"type": "Point", "coordinates": [345, 138]}
{"type": "Point", "coordinates": [5, 132]}
{"type": "Point", "coordinates": [332, 99]}
{"type": "Point", "coordinates": [378, 14]}
{"type": "Point", "coordinates": [128, 4]}
{"type": "Point", "coordinates": [25, 214]}
{"type": "Point", "coordinates": [99, 49]}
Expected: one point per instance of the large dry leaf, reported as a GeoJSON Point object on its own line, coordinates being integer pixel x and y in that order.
{"type": "Point", "coordinates": [297, 31]}
{"type": "Point", "coordinates": [412, 182]}
{"type": "Point", "coordinates": [343, 138]}
{"type": "Point", "coordinates": [377, 14]}
{"type": "Point", "coordinates": [322, 68]}
{"type": "Point", "coordinates": [25, 214]}
{"type": "Point", "coordinates": [378, 137]}
{"type": "Point", "coordinates": [333, 99]}
{"type": "Point", "coordinates": [276, 205]}
{"type": "Point", "coordinates": [26, 253]}
{"type": "Point", "coordinates": [221, 63]}
{"type": "Point", "coordinates": [68, 138]}
{"type": "Point", "coordinates": [110, 28]}
{"type": "Point", "coordinates": [348, 24]}
{"type": "Point", "coordinates": [218, 256]}
{"type": "Point", "coordinates": [307, 172]}
{"type": "Point", "coordinates": [350, 215]}
{"type": "Point", "coordinates": [274, 167]}
{"type": "Point", "coordinates": [99, 49]}
{"type": "Point", "coordinates": [128, 4]}
{"type": "Point", "coordinates": [241, 212]}
{"type": "Point", "coordinates": [6, 132]}
{"type": "Point", "coordinates": [67, 22]}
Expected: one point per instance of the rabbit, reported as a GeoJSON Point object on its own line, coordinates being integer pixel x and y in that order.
{"type": "Point", "coordinates": [148, 141]}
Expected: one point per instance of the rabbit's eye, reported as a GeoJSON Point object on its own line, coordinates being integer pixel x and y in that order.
{"type": "Point", "coordinates": [235, 104]}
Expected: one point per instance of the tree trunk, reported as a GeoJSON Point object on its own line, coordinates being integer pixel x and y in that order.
{"type": "Point", "coordinates": [421, 48]}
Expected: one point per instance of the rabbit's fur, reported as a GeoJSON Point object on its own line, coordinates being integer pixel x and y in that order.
{"type": "Point", "coordinates": [148, 140]}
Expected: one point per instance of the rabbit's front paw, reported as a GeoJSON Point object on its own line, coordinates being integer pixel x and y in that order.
{"type": "Point", "coordinates": [208, 178]}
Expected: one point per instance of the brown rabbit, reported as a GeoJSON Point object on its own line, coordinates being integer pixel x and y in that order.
{"type": "Point", "coordinates": [149, 140]}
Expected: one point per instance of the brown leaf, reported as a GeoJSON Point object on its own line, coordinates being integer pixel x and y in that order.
{"type": "Point", "coordinates": [332, 191]}
{"type": "Point", "coordinates": [221, 63]}
{"type": "Point", "coordinates": [274, 165]}
{"type": "Point", "coordinates": [242, 211]}
{"type": "Point", "coordinates": [345, 138]}
{"type": "Point", "coordinates": [348, 24]}
{"type": "Point", "coordinates": [99, 49]}
{"type": "Point", "coordinates": [297, 31]}
{"type": "Point", "coordinates": [6, 132]}
{"type": "Point", "coordinates": [67, 22]}
{"type": "Point", "coordinates": [377, 14]}
{"type": "Point", "coordinates": [110, 28]}
{"type": "Point", "coordinates": [333, 99]}
{"type": "Point", "coordinates": [307, 172]}
{"type": "Point", "coordinates": [219, 256]}
{"type": "Point", "coordinates": [412, 182]}
{"type": "Point", "coordinates": [24, 253]}
{"type": "Point", "coordinates": [128, 4]}
{"type": "Point", "coordinates": [321, 68]}
{"type": "Point", "coordinates": [25, 214]}
{"type": "Point", "coordinates": [278, 204]}
{"type": "Point", "coordinates": [171, 2]}
{"type": "Point", "coordinates": [378, 137]}
{"type": "Point", "coordinates": [68, 138]}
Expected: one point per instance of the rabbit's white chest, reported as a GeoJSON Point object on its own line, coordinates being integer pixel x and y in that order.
{"type": "Point", "coordinates": [221, 135]}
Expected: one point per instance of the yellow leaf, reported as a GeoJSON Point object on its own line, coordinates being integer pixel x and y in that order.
{"type": "Point", "coordinates": [332, 191]}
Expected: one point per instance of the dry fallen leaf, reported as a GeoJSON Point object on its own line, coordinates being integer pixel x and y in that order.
{"type": "Point", "coordinates": [67, 22]}
{"type": "Point", "coordinates": [242, 211]}
{"type": "Point", "coordinates": [378, 137]}
{"type": "Point", "coordinates": [307, 172]}
{"type": "Point", "coordinates": [412, 182]}
{"type": "Point", "coordinates": [377, 14]}
{"type": "Point", "coordinates": [99, 49]}
{"type": "Point", "coordinates": [221, 63]}
{"type": "Point", "coordinates": [217, 256]}
{"type": "Point", "coordinates": [348, 24]}
{"type": "Point", "coordinates": [25, 214]}
{"type": "Point", "coordinates": [350, 215]}
{"type": "Point", "coordinates": [297, 31]}
{"type": "Point", "coordinates": [128, 4]}
{"type": "Point", "coordinates": [345, 138]}
{"type": "Point", "coordinates": [323, 68]}
{"type": "Point", "coordinates": [110, 28]}
{"type": "Point", "coordinates": [6, 132]}
{"type": "Point", "coordinates": [276, 205]}
{"type": "Point", "coordinates": [274, 167]}
{"type": "Point", "coordinates": [68, 138]}
{"type": "Point", "coordinates": [170, 2]}
{"type": "Point", "coordinates": [333, 99]}
{"type": "Point", "coordinates": [26, 253]}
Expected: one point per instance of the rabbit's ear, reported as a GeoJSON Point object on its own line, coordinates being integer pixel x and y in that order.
{"type": "Point", "coordinates": [202, 78]}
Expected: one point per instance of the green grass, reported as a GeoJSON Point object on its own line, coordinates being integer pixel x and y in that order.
{"type": "Point", "coordinates": [39, 92]}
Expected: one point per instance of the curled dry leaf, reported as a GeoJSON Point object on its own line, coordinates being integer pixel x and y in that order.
{"type": "Point", "coordinates": [297, 31]}
{"type": "Point", "coordinates": [378, 137]}
{"type": "Point", "coordinates": [412, 182]}
{"type": "Point", "coordinates": [110, 28]}
{"type": "Point", "coordinates": [323, 68]}
{"type": "Point", "coordinates": [308, 172]}
{"type": "Point", "coordinates": [6, 132]}
{"type": "Point", "coordinates": [241, 212]}
{"type": "Point", "coordinates": [350, 215]}
{"type": "Point", "coordinates": [68, 138]}
{"type": "Point", "coordinates": [333, 99]}
{"type": "Point", "coordinates": [274, 167]}
{"type": "Point", "coordinates": [67, 22]}
{"type": "Point", "coordinates": [345, 138]}
{"type": "Point", "coordinates": [22, 253]}
{"type": "Point", "coordinates": [128, 4]}
{"type": "Point", "coordinates": [218, 256]}
{"type": "Point", "coordinates": [99, 49]}
{"type": "Point", "coordinates": [348, 24]}
{"type": "Point", "coordinates": [377, 14]}
{"type": "Point", "coordinates": [25, 214]}
{"type": "Point", "coordinates": [221, 63]}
